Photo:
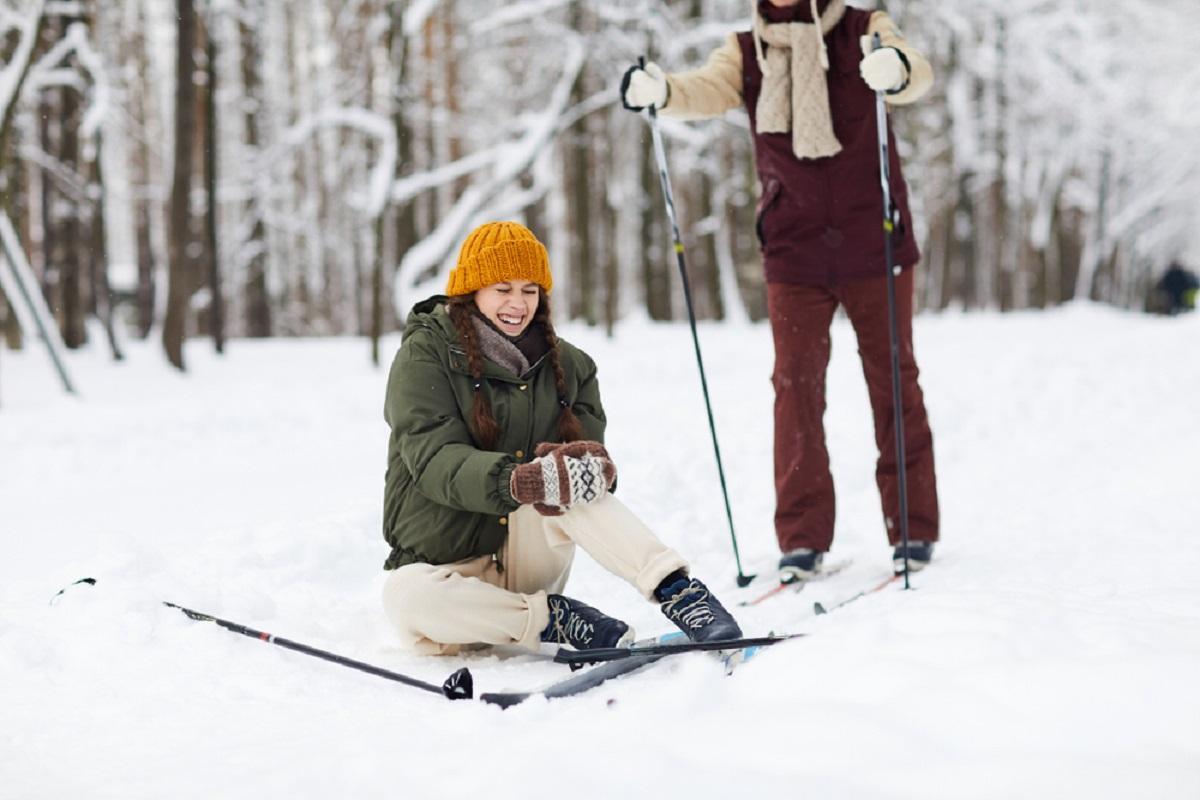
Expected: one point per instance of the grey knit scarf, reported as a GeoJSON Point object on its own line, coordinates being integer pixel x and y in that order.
{"type": "Point", "coordinates": [498, 348]}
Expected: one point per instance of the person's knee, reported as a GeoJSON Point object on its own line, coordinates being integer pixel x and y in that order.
{"type": "Point", "coordinates": [409, 590]}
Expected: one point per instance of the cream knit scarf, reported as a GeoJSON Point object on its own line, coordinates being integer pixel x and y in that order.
{"type": "Point", "coordinates": [795, 95]}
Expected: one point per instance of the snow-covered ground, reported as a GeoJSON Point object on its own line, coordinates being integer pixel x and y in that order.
{"type": "Point", "coordinates": [1052, 650]}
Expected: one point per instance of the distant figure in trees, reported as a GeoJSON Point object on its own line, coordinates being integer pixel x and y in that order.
{"type": "Point", "coordinates": [497, 470]}
{"type": "Point", "coordinates": [807, 73]}
{"type": "Point", "coordinates": [1175, 291]}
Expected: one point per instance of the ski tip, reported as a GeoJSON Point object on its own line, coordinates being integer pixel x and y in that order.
{"type": "Point", "coordinates": [460, 685]}
{"type": "Point", "coordinates": [62, 591]}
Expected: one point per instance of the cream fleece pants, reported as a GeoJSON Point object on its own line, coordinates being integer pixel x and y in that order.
{"type": "Point", "coordinates": [438, 608]}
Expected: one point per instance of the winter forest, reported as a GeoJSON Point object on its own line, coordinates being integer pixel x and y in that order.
{"type": "Point", "coordinates": [216, 217]}
{"type": "Point", "coordinates": [241, 169]}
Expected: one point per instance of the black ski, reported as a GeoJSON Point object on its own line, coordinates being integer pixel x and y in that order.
{"type": "Point", "coordinates": [575, 657]}
{"type": "Point", "coordinates": [577, 683]}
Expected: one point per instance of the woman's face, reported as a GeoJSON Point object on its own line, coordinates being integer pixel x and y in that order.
{"type": "Point", "coordinates": [510, 305]}
{"type": "Point", "coordinates": [783, 3]}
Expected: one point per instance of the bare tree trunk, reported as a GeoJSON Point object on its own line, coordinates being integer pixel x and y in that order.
{"type": "Point", "coordinates": [181, 279]}
{"type": "Point", "coordinates": [101, 292]}
{"type": "Point", "coordinates": [579, 198]}
{"type": "Point", "coordinates": [706, 243]}
{"type": "Point", "coordinates": [612, 267]}
{"type": "Point", "coordinates": [1002, 216]}
{"type": "Point", "coordinates": [58, 236]}
{"type": "Point", "coordinates": [14, 197]}
{"type": "Point", "coordinates": [258, 300]}
{"type": "Point", "coordinates": [10, 50]}
{"type": "Point", "coordinates": [396, 228]}
{"type": "Point", "coordinates": [141, 170]}
{"type": "Point", "coordinates": [216, 304]}
{"type": "Point", "coordinates": [452, 90]}
{"type": "Point", "coordinates": [654, 236]}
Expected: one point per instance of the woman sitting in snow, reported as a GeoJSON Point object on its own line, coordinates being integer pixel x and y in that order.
{"type": "Point", "coordinates": [496, 471]}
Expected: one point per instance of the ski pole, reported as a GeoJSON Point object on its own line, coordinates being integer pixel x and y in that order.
{"type": "Point", "coordinates": [660, 155]}
{"type": "Point", "coordinates": [458, 686]}
{"type": "Point", "coordinates": [881, 128]}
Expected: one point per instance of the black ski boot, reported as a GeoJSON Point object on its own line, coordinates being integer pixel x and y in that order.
{"type": "Point", "coordinates": [919, 556]}
{"type": "Point", "coordinates": [581, 627]}
{"type": "Point", "coordinates": [688, 603]}
{"type": "Point", "coordinates": [800, 564]}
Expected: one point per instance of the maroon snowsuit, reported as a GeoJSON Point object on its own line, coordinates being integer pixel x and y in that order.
{"type": "Point", "coordinates": [820, 229]}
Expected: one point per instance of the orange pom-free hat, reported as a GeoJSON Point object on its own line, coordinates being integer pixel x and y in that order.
{"type": "Point", "coordinates": [496, 252]}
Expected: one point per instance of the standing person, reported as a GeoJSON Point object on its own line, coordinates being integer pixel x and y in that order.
{"type": "Point", "coordinates": [497, 471]}
{"type": "Point", "coordinates": [807, 75]}
{"type": "Point", "coordinates": [1177, 289]}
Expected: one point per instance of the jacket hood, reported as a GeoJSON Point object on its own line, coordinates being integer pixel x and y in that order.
{"type": "Point", "coordinates": [431, 314]}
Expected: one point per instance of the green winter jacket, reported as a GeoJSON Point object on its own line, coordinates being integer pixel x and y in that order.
{"type": "Point", "coordinates": [445, 499]}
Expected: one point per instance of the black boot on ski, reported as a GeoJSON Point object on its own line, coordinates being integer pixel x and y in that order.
{"type": "Point", "coordinates": [581, 627]}
{"type": "Point", "coordinates": [919, 556]}
{"type": "Point", "coordinates": [800, 564]}
{"type": "Point", "coordinates": [688, 603]}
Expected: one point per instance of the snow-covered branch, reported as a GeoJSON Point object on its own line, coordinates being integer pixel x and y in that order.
{"type": "Point", "coordinates": [416, 14]}
{"type": "Point", "coordinates": [48, 72]}
{"type": "Point", "coordinates": [514, 13]}
{"type": "Point", "coordinates": [25, 24]}
{"type": "Point", "coordinates": [511, 161]}
{"type": "Point", "coordinates": [366, 122]}
{"type": "Point", "coordinates": [409, 187]}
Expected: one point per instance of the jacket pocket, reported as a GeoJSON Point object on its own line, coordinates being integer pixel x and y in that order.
{"type": "Point", "coordinates": [769, 199]}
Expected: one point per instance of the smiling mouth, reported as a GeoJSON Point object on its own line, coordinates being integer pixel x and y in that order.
{"type": "Point", "coordinates": [510, 320]}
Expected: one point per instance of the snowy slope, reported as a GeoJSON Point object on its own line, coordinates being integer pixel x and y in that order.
{"type": "Point", "coordinates": [1052, 651]}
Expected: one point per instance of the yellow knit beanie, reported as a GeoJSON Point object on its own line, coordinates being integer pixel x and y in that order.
{"type": "Point", "coordinates": [496, 252]}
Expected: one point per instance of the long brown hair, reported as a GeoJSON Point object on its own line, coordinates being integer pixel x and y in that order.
{"type": "Point", "coordinates": [483, 423]}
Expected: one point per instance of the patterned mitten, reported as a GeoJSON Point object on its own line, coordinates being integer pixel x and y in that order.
{"type": "Point", "coordinates": [563, 475]}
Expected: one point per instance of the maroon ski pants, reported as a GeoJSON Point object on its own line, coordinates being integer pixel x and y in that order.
{"type": "Point", "coordinates": [800, 320]}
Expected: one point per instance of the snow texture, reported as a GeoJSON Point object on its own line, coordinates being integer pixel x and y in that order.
{"type": "Point", "coordinates": [1051, 650]}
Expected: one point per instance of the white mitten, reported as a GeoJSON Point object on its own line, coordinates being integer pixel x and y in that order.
{"type": "Point", "coordinates": [644, 86]}
{"type": "Point", "coordinates": [883, 70]}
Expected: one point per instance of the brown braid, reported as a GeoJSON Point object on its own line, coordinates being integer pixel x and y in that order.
{"type": "Point", "coordinates": [483, 422]}
{"type": "Point", "coordinates": [569, 427]}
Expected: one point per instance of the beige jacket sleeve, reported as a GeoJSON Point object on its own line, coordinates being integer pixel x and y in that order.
{"type": "Point", "coordinates": [711, 90]}
{"type": "Point", "coordinates": [920, 77]}
{"type": "Point", "coordinates": [716, 87]}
